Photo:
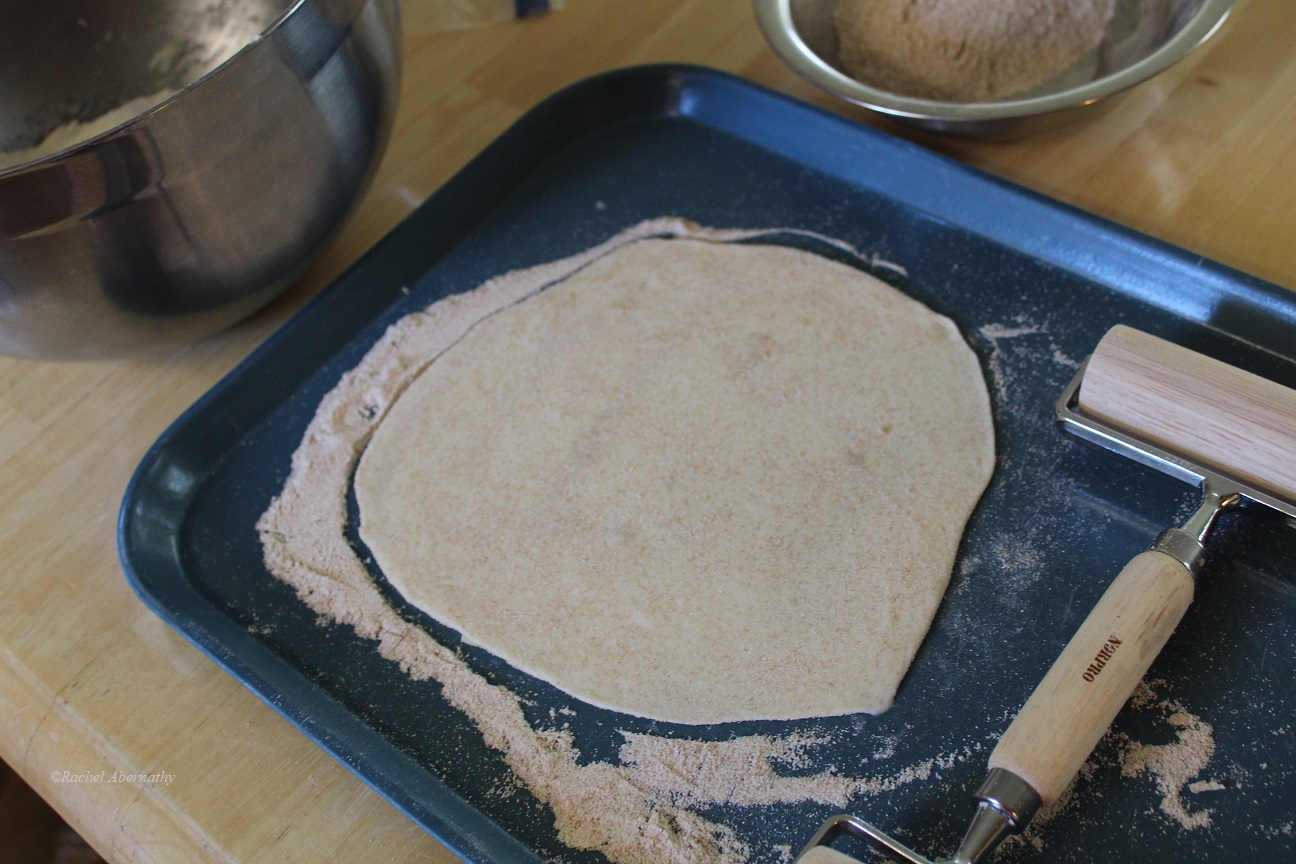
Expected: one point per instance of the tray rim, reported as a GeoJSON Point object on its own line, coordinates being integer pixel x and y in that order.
{"type": "Point", "coordinates": [694, 93]}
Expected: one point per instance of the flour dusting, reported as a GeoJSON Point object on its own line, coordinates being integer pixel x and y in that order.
{"type": "Point", "coordinates": [650, 803]}
{"type": "Point", "coordinates": [640, 808]}
{"type": "Point", "coordinates": [1174, 766]}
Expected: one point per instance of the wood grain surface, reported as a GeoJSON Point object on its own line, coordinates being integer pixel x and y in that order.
{"type": "Point", "coordinates": [1210, 413]}
{"type": "Point", "coordinates": [90, 681]}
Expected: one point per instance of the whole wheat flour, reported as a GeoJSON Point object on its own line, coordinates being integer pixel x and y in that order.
{"type": "Point", "coordinates": [962, 50]}
{"type": "Point", "coordinates": [636, 810]}
{"type": "Point", "coordinates": [1174, 766]}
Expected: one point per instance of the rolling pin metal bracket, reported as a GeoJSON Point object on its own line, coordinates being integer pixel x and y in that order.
{"type": "Point", "coordinates": [1187, 544]}
{"type": "Point", "coordinates": [1005, 806]}
{"type": "Point", "coordinates": [1220, 492]}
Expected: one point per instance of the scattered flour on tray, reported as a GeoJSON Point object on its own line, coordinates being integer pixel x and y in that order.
{"type": "Point", "coordinates": [634, 811]}
{"type": "Point", "coordinates": [996, 334]}
{"type": "Point", "coordinates": [643, 807]}
{"type": "Point", "coordinates": [1174, 766]}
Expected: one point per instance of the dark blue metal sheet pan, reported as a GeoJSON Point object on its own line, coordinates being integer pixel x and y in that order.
{"type": "Point", "coordinates": [1032, 283]}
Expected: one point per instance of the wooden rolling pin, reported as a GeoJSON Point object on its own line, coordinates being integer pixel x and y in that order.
{"type": "Point", "coordinates": [1209, 414]}
{"type": "Point", "coordinates": [1141, 396]}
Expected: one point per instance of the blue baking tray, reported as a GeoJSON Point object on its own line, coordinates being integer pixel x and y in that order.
{"type": "Point", "coordinates": [1032, 283]}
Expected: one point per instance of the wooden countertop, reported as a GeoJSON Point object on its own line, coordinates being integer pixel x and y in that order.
{"type": "Point", "coordinates": [90, 681]}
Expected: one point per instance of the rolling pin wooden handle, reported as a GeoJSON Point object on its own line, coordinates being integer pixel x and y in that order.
{"type": "Point", "coordinates": [1076, 702]}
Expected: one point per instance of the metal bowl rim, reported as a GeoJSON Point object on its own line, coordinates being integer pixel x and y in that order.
{"type": "Point", "coordinates": [252, 44]}
{"type": "Point", "coordinates": [775, 19]}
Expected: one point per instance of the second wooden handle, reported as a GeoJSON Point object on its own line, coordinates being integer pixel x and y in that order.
{"type": "Point", "coordinates": [1076, 702]}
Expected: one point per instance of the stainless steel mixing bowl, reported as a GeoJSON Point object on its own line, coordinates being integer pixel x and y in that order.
{"type": "Point", "coordinates": [1144, 38]}
{"type": "Point", "coordinates": [193, 214]}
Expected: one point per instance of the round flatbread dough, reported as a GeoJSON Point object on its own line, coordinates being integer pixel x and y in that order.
{"type": "Point", "coordinates": [697, 482]}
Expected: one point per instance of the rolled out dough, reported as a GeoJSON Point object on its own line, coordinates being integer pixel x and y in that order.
{"type": "Point", "coordinates": [695, 481]}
